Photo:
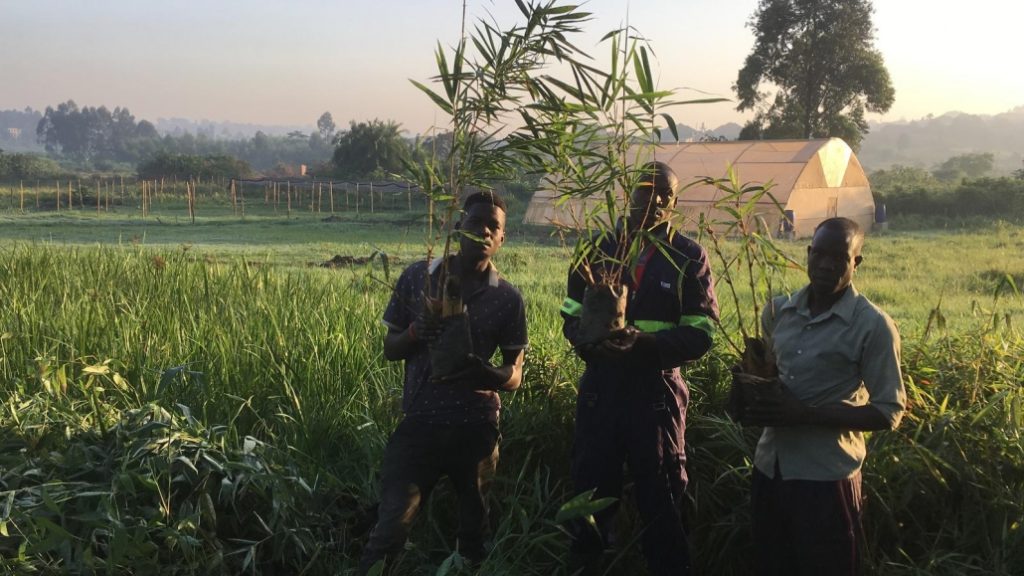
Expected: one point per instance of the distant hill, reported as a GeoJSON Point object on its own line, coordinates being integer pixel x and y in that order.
{"type": "Point", "coordinates": [224, 130]}
{"type": "Point", "coordinates": [729, 131]}
{"type": "Point", "coordinates": [931, 140]}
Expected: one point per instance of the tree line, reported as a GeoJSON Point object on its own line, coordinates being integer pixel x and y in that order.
{"type": "Point", "coordinates": [961, 186]}
{"type": "Point", "coordinates": [96, 138]}
{"type": "Point", "coordinates": [813, 72]}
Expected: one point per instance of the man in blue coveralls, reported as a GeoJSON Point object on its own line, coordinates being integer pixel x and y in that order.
{"type": "Point", "coordinates": [632, 400]}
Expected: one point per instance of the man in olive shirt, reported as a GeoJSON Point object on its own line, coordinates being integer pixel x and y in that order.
{"type": "Point", "coordinates": [839, 362]}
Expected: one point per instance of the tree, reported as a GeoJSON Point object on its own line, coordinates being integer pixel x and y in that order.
{"type": "Point", "coordinates": [371, 148]}
{"type": "Point", "coordinates": [820, 57]}
{"type": "Point", "coordinates": [90, 134]}
{"type": "Point", "coordinates": [973, 165]}
{"type": "Point", "coordinates": [1019, 174]}
{"type": "Point", "coordinates": [900, 179]}
{"type": "Point", "coordinates": [325, 125]}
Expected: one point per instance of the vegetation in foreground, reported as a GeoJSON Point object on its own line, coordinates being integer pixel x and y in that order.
{"type": "Point", "coordinates": [178, 410]}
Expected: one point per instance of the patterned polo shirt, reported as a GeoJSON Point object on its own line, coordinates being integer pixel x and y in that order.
{"type": "Point", "coordinates": [497, 319]}
{"type": "Point", "coordinates": [850, 355]}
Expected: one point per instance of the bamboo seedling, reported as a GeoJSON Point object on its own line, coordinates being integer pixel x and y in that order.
{"type": "Point", "coordinates": [496, 89]}
{"type": "Point", "coordinates": [757, 267]}
{"type": "Point", "coordinates": [595, 139]}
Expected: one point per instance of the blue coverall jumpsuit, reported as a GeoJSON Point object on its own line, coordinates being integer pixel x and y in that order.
{"type": "Point", "coordinates": [632, 409]}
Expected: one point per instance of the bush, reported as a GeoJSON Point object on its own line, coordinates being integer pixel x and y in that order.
{"type": "Point", "coordinates": [164, 165]}
{"type": "Point", "coordinates": [984, 197]}
{"type": "Point", "coordinates": [26, 167]}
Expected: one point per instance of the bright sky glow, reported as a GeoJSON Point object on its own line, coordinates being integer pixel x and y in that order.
{"type": "Point", "coordinates": [274, 62]}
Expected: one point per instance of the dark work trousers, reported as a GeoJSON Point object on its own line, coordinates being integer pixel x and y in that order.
{"type": "Point", "coordinates": [806, 527]}
{"type": "Point", "coordinates": [416, 457]}
{"type": "Point", "coordinates": [636, 418]}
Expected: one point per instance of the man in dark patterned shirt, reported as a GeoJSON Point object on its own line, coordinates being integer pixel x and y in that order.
{"type": "Point", "coordinates": [450, 425]}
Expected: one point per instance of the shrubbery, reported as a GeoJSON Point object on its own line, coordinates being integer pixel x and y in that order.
{"type": "Point", "coordinates": [164, 165]}
{"type": "Point", "coordinates": [985, 197]}
{"type": "Point", "coordinates": [26, 167]}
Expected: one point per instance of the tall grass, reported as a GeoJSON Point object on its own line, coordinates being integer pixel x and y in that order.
{"type": "Point", "coordinates": [171, 411]}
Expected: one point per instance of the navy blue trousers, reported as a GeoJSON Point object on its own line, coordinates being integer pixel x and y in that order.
{"type": "Point", "coordinates": [806, 527]}
{"type": "Point", "coordinates": [416, 457]}
{"type": "Point", "coordinates": [636, 419]}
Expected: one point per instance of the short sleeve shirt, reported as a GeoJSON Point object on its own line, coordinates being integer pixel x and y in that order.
{"type": "Point", "coordinates": [850, 355]}
{"type": "Point", "coordinates": [497, 318]}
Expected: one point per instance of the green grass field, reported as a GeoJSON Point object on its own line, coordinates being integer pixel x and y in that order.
{"type": "Point", "coordinates": [204, 398]}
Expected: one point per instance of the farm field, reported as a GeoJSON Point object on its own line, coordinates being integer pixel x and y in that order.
{"type": "Point", "coordinates": [206, 398]}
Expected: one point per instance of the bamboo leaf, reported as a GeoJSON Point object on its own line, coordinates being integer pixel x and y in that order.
{"type": "Point", "coordinates": [438, 100]}
{"type": "Point", "coordinates": [582, 507]}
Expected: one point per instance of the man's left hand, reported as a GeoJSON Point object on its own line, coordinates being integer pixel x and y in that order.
{"type": "Point", "coordinates": [619, 342]}
{"type": "Point", "coordinates": [476, 374]}
{"type": "Point", "coordinates": [779, 408]}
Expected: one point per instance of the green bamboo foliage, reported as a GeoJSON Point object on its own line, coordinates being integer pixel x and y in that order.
{"type": "Point", "coordinates": [751, 274]}
{"type": "Point", "coordinates": [481, 83]}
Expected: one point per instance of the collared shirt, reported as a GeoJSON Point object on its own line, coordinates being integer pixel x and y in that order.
{"type": "Point", "coordinates": [849, 354]}
{"type": "Point", "coordinates": [671, 294]}
{"type": "Point", "coordinates": [497, 319]}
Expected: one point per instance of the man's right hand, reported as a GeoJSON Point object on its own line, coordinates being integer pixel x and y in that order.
{"type": "Point", "coordinates": [426, 328]}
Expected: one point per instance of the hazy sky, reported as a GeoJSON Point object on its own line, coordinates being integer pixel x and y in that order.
{"type": "Point", "coordinates": [286, 62]}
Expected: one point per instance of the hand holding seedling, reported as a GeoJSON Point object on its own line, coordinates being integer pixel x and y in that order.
{"type": "Point", "coordinates": [426, 328]}
{"type": "Point", "coordinates": [399, 344]}
{"type": "Point", "coordinates": [479, 374]}
{"type": "Point", "coordinates": [776, 406]}
{"type": "Point", "coordinates": [619, 343]}
{"type": "Point", "coordinates": [747, 390]}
